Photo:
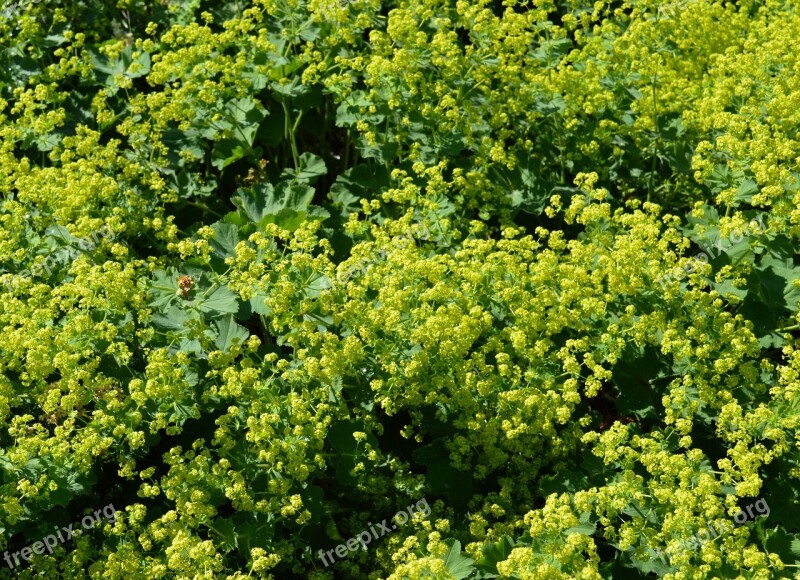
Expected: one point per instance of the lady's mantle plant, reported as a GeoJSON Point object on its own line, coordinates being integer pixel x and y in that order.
{"type": "Point", "coordinates": [364, 254]}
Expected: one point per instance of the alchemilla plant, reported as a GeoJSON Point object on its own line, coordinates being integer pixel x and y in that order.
{"type": "Point", "coordinates": [274, 270]}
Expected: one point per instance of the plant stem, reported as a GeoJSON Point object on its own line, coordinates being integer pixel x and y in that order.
{"type": "Point", "coordinates": [289, 134]}
{"type": "Point", "coordinates": [346, 150]}
{"type": "Point", "coordinates": [793, 327]}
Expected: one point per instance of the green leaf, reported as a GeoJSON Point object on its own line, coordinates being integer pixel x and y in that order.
{"type": "Point", "coordinates": [284, 67]}
{"type": "Point", "coordinates": [246, 114]}
{"type": "Point", "coordinates": [71, 482]}
{"type": "Point", "coordinates": [745, 193]}
{"type": "Point", "coordinates": [230, 333]}
{"type": "Point", "coordinates": [294, 196]}
{"type": "Point", "coordinates": [139, 66]}
{"type": "Point", "coordinates": [528, 191]}
{"type": "Point", "coordinates": [226, 237]}
{"type": "Point", "coordinates": [332, 531]}
{"type": "Point", "coordinates": [220, 301]}
{"type": "Point", "coordinates": [457, 564]}
{"type": "Point", "coordinates": [493, 554]}
{"type": "Point", "coordinates": [765, 304]}
{"type": "Point", "coordinates": [174, 318]}
{"type": "Point", "coordinates": [287, 91]}
{"type": "Point", "coordinates": [242, 118]}
{"type": "Point", "coordinates": [259, 306]}
{"type": "Point", "coordinates": [285, 204]}
{"type": "Point", "coordinates": [790, 274]}
{"type": "Point", "coordinates": [288, 219]}
{"type": "Point", "coordinates": [187, 184]}
{"type": "Point", "coordinates": [226, 152]}
{"type": "Point", "coordinates": [584, 529]}
{"type": "Point", "coordinates": [310, 167]}
{"type": "Point", "coordinates": [191, 346]}
{"type": "Point", "coordinates": [785, 545]}
{"type": "Point", "coordinates": [125, 64]}
{"type": "Point", "coordinates": [178, 141]}
{"type": "Point", "coordinates": [316, 285]}
{"type": "Point", "coordinates": [726, 287]}
{"type": "Point", "coordinates": [163, 289]}
{"type": "Point", "coordinates": [255, 201]}
{"type": "Point", "coordinates": [651, 564]}
{"type": "Point", "coordinates": [358, 182]}
{"type": "Point", "coordinates": [225, 534]}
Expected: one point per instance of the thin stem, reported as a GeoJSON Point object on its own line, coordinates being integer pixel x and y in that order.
{"type": "Point", "coordinates": [793, 327]}
{"type": "Point", "coordinates": [289, 134]}
{"type": "Point", "coordinates": [204, 208]}
{"type": "Point", "coordinates": [347, 150]}
{"type": "Point", "coordinates": [657, 140]}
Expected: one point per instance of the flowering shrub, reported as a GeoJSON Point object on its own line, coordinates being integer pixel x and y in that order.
{"type": "Point", "coordinates": [351, 256]}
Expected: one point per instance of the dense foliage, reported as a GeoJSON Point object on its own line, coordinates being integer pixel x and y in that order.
{"type": "Point", "coordinates": [274, 270]}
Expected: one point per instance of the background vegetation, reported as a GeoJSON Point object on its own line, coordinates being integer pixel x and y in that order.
{"type": "Point", "coordinates": [367, 253]}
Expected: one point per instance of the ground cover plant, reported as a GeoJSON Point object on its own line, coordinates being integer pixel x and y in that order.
{"type": "Point", "coordinates": [275, 273]}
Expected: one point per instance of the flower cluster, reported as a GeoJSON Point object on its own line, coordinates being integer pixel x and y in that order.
{"type": "Point", "coordinates": [712, 532]}
{"type": "Point", "coordinates": [697, 262]}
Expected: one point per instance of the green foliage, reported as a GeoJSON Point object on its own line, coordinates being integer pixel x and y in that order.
{"type": "Point", "coordinates": [271, 272]}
